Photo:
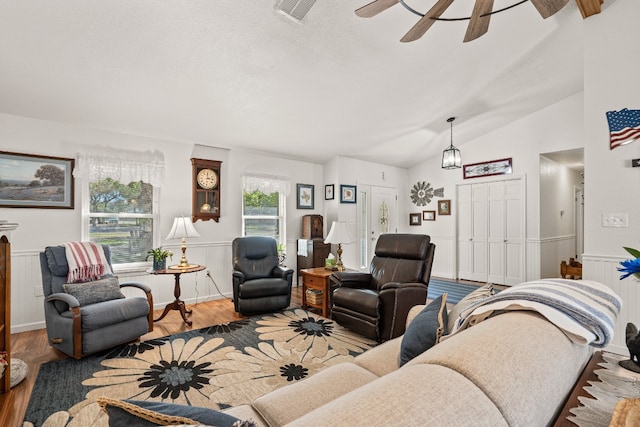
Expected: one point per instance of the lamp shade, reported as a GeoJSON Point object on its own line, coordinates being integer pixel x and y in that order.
{"type": "Point", "coordinates": [339, 233]}
{"type": "Point", "coordinates": [182, 228]}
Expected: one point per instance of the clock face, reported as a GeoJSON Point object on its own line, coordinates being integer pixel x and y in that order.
{"type": "Point", "coordinates": [207, 179]}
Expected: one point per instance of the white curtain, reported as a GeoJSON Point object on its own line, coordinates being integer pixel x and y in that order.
{"type": "Point", "coordinates": [124, 167]}
{"type": "Point", "coordinates": [266, 183]}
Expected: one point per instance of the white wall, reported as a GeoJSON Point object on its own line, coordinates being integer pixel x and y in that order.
{"type": "Point", "coordinates": [41, 227]}
{"type": "Point", "coordinates": [554, 128]}
{"type": "Point", "coordinates": [611, 185]}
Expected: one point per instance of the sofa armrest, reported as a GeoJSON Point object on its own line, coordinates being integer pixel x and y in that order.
{"type": "Point", "coordinates": [68, 299]}
{"type": "Point", "coordinates": [281, 272]}
{"type": "Point", "coordinates": [350, 279]}
{"type": "Point", "coordinates": [396, 299]}
{"type": "Point", "coordinates": [390, 286]}
{"type": "Point", "coordinates": [138, 285]}
{"type": "Point", "coordinates": [238, 277]}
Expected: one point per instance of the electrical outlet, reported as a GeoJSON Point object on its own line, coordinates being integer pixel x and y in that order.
{"type": "Point", "coordinates": [615, 220]}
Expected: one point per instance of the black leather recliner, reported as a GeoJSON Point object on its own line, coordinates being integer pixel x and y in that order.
{"type": "Point", "coordinates": [376, 304]}
{"type": "Point", "coordinates": [260, 285]}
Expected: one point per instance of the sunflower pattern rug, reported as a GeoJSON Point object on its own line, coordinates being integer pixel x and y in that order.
{"type": "Point", "coordinates": [215, 367]}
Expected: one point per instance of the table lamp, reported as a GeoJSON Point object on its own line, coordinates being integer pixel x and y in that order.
{"type": "Point", "coordinates": [339, 234]}
{"type": "Point", "coordinates": [182, 229]}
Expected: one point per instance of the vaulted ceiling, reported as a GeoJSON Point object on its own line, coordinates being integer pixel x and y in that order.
{"type": "Point", "coordinates": [237, 74]}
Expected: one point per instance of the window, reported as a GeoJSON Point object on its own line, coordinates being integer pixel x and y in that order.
{"type": "Point", "coordinates": [120, 203]}
{"type": "Point", "coordinates": [122, 216]}
{"type": "Point", "coordinates": [263, 207]}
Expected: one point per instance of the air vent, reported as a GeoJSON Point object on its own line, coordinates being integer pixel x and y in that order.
{"type": "Point", "coordinates": [294, 9]}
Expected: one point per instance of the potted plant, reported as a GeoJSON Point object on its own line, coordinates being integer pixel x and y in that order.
{"type": "Point", "coordinates": [159, 257]}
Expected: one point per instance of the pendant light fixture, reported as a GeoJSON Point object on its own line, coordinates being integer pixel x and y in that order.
{"type": "Point", "coordinates": [451, 156]}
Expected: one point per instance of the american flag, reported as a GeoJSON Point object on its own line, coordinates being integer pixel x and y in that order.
{"type": "Point", "coordinates": [624, 126]}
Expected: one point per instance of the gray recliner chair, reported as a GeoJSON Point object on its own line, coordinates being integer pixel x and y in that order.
{"type": "Point", "coordinates": [98, 316]}
{"type": "Point", "coordinates": [260, 284]}
{"type": "Point", "coordinates": [376, 304]}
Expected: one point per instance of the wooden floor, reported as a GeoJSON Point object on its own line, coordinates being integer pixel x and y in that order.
{"type": "Point", "coordinates": [32, 347]}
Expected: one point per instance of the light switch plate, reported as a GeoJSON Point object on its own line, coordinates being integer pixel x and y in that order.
{"type": "Point", "coordinates": [615, 220]}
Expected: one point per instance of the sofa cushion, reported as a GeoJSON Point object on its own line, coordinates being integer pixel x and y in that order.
{"type": "Point", "coordinates": [425, 330]}
{"type": "Point", "coordinates": [425, 395]}
{"type": "Point", "coordinates": [522, 362]}
{"type": "Point", "coordinates": [382, 359]}
{"type": "Point", "coordinates": [474, 297]}
{"type": "Point", "coordinates": [105, 289]}
{"type": "Point", "coordinates": [288, 403]}
{"type": "Point", "coordinates": [141, 413]}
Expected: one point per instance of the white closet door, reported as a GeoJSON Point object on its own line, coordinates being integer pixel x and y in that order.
{"type": "Point", "coordinates": [496, 238]}
{"type": "Point", "coordinates": [514, 230]}
{"type": "Point", "coordinates": [465, 232]}
{"type": "Point", "coordinates": [479, 199]}
{"type": "Point", "coordinates": [490, 231]}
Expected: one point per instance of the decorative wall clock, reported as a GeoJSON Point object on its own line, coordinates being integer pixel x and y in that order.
{"type": "Point", "coordinates": [206, 190]}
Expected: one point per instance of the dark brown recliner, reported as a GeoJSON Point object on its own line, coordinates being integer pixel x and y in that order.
{"type": "Point", "coordinates": [376, 304]}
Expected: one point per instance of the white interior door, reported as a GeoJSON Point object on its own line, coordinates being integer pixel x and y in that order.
{"type": "Point", "coordinates": [479, 215]}
{"type": "Point", "coordinates": [384, 215]}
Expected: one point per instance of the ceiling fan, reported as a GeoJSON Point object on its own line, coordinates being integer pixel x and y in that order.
{"type": "Point", "coordinates": [478, 21]}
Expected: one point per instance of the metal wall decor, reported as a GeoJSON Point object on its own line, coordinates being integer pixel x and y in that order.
{"type": "Point", "coordinates": [421, 193]}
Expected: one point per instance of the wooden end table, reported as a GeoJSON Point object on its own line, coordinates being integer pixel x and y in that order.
{"type": "Point", "coordinates": [177, 304]}
{"type": "Point", "coordinates": [317, 278]}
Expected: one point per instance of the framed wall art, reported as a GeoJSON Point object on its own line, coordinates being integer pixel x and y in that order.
{"type": "Point", "coordinates": [305, 196]}
{"type": "Point", "coordinates": [494, 167]}
{"type": "Point", "coordinates": [444, 207]}
{"type": "Point", "coordinates": [32, 181]}
{"type": "Point", "coordinates": [328, 192]}
{"type": "Point", "coordinates": [347, 193]}
{"type": "Point", "coordinates": [428, 215]}
{"type": "Point", "coordinates": [414, 219]}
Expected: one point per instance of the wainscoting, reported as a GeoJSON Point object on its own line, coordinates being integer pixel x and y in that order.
{"type": "Point", "coordinates": [604, 269]}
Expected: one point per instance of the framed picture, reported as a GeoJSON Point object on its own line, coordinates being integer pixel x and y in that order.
{"type": "Point", "coordinates": [428, 215]}
{"type": "Point", "coordinates": [414, 219]}
{"type": "Point", "coordinates": [444, 207]}
{"type": "Point", "coordinates": [305, 196]}
{"type": "Point", "coordinates": [494, 167]}
{"type": "Point", "coordinates": [31, 181]}
{"type": "Point", "coordinates": [328, 192]}
{"type": "Point", "coordinates": [347, 193]}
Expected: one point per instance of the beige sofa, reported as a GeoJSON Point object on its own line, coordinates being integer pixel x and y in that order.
{"type": "Point", "coordinates": [514, 369]}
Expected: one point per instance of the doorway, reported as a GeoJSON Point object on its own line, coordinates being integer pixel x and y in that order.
{"type": "Point", "coordinates": [377, 214]}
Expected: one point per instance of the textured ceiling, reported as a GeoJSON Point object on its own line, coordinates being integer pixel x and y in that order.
{"type": "Point", "coordinates": [234, 73]}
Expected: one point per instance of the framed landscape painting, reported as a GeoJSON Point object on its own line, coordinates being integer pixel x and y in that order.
{"type": "Point", "coordinates": [31, 181]}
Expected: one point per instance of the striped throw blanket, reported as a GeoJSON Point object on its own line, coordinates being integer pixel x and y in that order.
{"type": "Point", "coordinates": [86, 261]}
{"type": "Point", "coordinates": [585, 310]}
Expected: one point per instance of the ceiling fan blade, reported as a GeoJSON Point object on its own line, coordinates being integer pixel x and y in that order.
{"type": "Point", "coordinates": [375, 7]}
{"type": "Point", "coordinates": [547, 8]}
{"type": "Point", "coordinates": [426, 21]}
{"type": "Point", "coordinates": [479, 25]}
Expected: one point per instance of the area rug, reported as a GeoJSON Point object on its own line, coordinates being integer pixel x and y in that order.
{"type": "Point", "coordinates": [614, 384]}
{"type": "Point", "coordinates": [216, 367]}
{"type": "Point", "coordinates": [455, 290]}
